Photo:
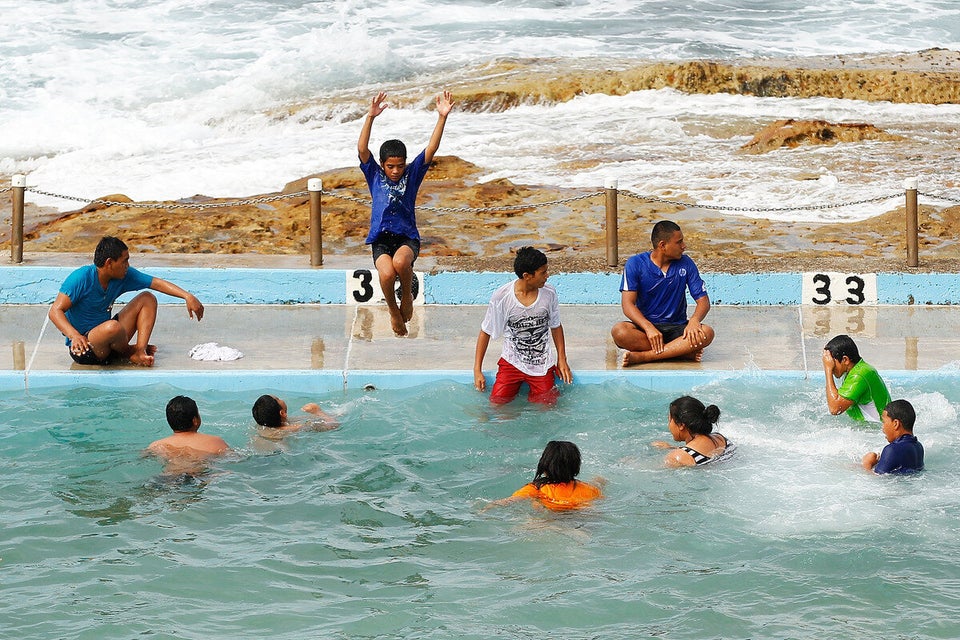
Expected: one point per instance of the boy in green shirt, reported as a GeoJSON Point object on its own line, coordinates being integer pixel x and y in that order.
{"type": "Point", "coordinates": [862, 394]}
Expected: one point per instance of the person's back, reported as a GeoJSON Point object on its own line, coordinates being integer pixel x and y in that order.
{"type": "Point", "coordinates": [904, 453]}
{"type": "Point", "coordinates": [187, 442]}
{"type": "Point", "coordinates": [561, 496]}
{"type": "Point", "coordinates": [868, 391]}
{"type": "Point", "coordinates": [555, 485]}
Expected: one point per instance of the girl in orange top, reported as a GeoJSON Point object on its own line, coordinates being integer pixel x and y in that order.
{"type": "Point", "coordinates": [554, 484]}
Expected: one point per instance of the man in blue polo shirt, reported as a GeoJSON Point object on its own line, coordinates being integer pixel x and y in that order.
{"type": "Point", "coordinates": [83, 309]}
{"type": "Point", "coordinates": [653, 297]}
{"type": "Point", "coordinates": [904, 454]}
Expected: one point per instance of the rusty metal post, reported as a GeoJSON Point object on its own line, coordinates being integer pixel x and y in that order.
{"type": "Point", "coordinates": [18, 184]}
{"type": "Point", "coordinates": [613, 259]}
{"type": "Point", "coordinates": [315, 187]}
{"type": "Point", "coordinates": [910, 189]}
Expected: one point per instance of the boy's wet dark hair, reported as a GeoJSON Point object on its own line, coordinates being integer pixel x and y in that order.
{"type": "Point", "coordinates": [559, 463]}
{"type": "Point", "coordinates": [691, 413]}
{"type": "Point", "coordinates": [843, 345]}
{"type": "Point", "coordinates": [109, 248]}
{"type": "Point", "coordinates": [266, 411]}
{"type": "Point", "coordinates": [528, 260]}
{"type": "Point", "coordinates": [181, 411]}
{"type": "Point", "coordinates": [663, 231]}
{"type": "Point", "coordinates": [392, 149]}
{"type": "Point", "coordinates": [903, 411]}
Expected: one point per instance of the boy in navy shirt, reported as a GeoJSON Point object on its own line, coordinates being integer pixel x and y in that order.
{"type": "Point", "coordinates": [904, 454]}
{"type": "Point", "coordinates": [393, 224]}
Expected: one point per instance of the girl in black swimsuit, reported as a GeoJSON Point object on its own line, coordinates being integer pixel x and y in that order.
{"type": "Point", "coordinates": [691, 423]}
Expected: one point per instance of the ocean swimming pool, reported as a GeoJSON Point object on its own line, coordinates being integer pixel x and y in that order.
{"type": "Point", "coordinates": [375, 530]}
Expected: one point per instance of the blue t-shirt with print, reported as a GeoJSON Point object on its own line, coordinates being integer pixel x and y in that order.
{"type": "Point", "coordinates": [394, 202]}
{"type": "Point", "coordinates": [661, 297]}
{"type": "Point", "coordinates": [91, 304]}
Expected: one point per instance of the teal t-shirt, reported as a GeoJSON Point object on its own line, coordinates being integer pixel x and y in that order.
{"type": "Point", "coordinates": [866, 388]}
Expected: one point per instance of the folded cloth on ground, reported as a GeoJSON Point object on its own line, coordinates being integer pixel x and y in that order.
{"type": "Point", "coordinates": [213, 351]}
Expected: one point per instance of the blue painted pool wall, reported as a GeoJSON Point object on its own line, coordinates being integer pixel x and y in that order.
{"type": "Point", "coordinates": [39, 285]}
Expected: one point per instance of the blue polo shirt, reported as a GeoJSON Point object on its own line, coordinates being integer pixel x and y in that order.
{"type": "Point", "coordinates": [91, 304]}
{"type": "Point", "coordinates": [661, 297]}
{"type": "Point", "coordinates": [903, 455]}
{"type": "Point", "coordinates": [394, 202]}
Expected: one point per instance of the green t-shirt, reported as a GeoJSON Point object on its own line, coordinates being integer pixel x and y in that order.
{"type": "Point", "coordinates": [863, 385]}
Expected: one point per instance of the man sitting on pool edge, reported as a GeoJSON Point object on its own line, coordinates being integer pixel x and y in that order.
{"type": "Point", "coordinates": [653, 298]}
{"type": "Point", "coordinates": [862, 394]}
{"type": "Point", "coordinates": [83, 308]}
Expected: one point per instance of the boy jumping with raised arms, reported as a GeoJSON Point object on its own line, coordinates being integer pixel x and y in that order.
{"type": "Point", "coordinates": [393, 223]}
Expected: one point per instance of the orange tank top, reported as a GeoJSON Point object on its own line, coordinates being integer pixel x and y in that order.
{"type": "Point", "coordinates": [561, 497]}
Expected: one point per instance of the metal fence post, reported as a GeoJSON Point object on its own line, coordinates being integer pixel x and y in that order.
{"type": "Point", "coordinates": [910, 190]}
{"type": "Point", "coordinates": [18, 184]}
{"type": "Point", "coordinates": [613, 259]}
{"type": "Point", "coordinates": [315, 187]}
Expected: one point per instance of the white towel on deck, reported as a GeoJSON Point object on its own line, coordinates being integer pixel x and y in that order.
{"type": "Point", "coordinates": [213, 351]}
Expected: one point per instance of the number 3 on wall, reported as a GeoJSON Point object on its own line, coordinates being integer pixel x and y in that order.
{"type": "Point", "coordinates": [824, 288]}
{"type": "Point", "coordinates": [363, 287]}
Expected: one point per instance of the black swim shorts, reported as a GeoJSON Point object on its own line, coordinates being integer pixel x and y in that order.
{"type": "Point", "coordinates": [670, 331]}
{"type": "Point", "coordinates": [90, 357]}
{"type": "Point", "coordinates": [388, 242]}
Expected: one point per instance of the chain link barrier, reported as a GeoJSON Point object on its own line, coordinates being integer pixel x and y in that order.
{"type": "Point", "coordinates": [714, 207]}
{"type": "Point", "coordinates": [168, 206]}
{"type": "Point", "coordinates": [499, 209]}
{"type": "Point", "coordinates": [938, 197]}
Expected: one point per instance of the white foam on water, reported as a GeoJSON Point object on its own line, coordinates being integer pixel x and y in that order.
{"type": "Point", "coordinates": [168, 99]}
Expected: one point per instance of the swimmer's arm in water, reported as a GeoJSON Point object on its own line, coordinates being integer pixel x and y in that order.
{"type": "Point", "coordinates": [599, 482]}
{"type": "Point", "coordinates": [326, 423]}
{"type": "Point", "coordinates": [501, 502]}
{"type": "Point", "coordinates": [661, 444]}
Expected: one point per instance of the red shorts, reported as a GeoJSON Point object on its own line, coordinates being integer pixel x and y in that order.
{"type": "Point", "coordinates": [543, 389]}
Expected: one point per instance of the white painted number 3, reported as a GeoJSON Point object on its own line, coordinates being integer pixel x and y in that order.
{"type": "Point", "coordinates": [826, 288]}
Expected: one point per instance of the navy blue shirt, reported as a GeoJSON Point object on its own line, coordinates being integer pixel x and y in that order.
{"type": "Point", "coordinates": [903, 455]}
{"type": "Point", "coordinates": [394, 203]}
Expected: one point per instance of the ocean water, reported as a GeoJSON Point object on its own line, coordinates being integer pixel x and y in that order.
{"type": "Point", "coordinates": [377, 530]}
{"type": "Point", "coordinates": [165, 99]}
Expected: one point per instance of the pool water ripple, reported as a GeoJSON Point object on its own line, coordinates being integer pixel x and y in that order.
{"type": "Point", "coordinates": [377, 529]}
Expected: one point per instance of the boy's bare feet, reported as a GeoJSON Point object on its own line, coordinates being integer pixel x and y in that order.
{"type": "Point", "coordinates": [397, 322]}
{"type": "Point", "coordinates": [142, 358]}
{"type": "Point", "coordinates": [406, 305]}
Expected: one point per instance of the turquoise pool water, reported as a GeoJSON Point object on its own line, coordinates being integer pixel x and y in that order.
{"type": "Point", "coordinates": [375, 530]}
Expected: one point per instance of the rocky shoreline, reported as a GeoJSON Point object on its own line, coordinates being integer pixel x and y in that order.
{"type": "Point", "coordinates": [572, 228]}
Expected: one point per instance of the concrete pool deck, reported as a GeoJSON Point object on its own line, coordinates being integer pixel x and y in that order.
{"type": "Point", "coordinates": [319, 346]}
